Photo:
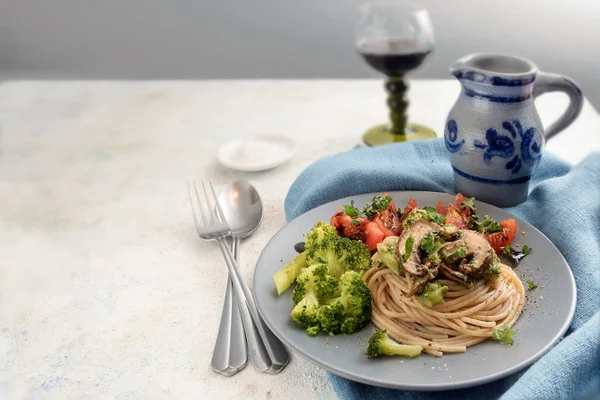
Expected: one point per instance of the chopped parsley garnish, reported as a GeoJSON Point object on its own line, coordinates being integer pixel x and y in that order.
{"type": "Point", "coordinates": [516, 255]}
{"type": "Point", "coordinates": [434, 216]}
{"type": "Point", "coordinates": [472, 223]}
{"type": "Point", "coordinates": [469, 203]}
{"type": "Point", "coordinates": [408, 248]}
{"type": "Point", "coordinates": [487, 225]}
{"type": "Point", "coordinates": [377, 204]}
{"type": "Point", "coordinates": [493, 226]}
{"type": "Point", "coordinates": [428, 243]}
{"type": "Point", "coordinates": [352, 211]}
{"type": "Point", "coordinates": [355, 222]}
{"type": "Point", "coordinates": [504, 334]}
{"type": "Point", "coordinates": [531, 285]}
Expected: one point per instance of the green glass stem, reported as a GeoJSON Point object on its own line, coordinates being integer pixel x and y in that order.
{"type": "Point", "coordinates": [398, 103]}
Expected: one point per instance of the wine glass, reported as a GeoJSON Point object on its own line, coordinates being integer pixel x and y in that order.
{"type": "Point", "coordinates": [394, 38]}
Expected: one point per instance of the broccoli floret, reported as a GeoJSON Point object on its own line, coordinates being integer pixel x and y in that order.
{"type": "Point", "coordinates": [332, 316]}
{"type": "Point", "coordinates": [494, 267]}
{"type": "Point", "coordinates": [313, 286]}
{"type": "Point", "coordinates": [327, 286]}
{"type": "Point", "coordinates": [380, 344]}
{"type": "Point", "coordinates": [351, 310]}
{"type": "Point", "coordinates": [307, 309]}
{"type": "Point", "coordinates": [330, 294]}
{"type": "Point", "coordinates": [432, 294]}
{"type": "Point", "coordinates": [386, 254]}
{"type": "Point", "coordinates": [317, 309]}
{"type": "Point", "coordinates": [493, 270]}
{"type": "Point", "coordinates": [288, 274]}
{"type": "Point", "coordinates": [313, 330]}
{"type": "Point", "coordinates": [307, 313]}
{"type": "Point", "coordinates": [315, 278]}
{"type": "Point", "coordinates": [340, 255]}
{"type": "Point", "coordinates": [427, 213]}
{"type": "Point", "coordinates": [448, 231]}
{"type": "Point", "coordinates": [318, 233]}
{"type": "Point", "coordinates": [415, 215]}
{"type": "Point", "coordinates": [434, 258]}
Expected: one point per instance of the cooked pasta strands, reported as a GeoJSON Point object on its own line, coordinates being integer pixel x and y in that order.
{"type": "Point", "coordinates": [467, 316]}
{"type": "Point", "coordinates": [476, 322]}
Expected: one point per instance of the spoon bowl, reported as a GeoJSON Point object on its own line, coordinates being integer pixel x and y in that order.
{"type": "Point", "coordinates": [242, 207]}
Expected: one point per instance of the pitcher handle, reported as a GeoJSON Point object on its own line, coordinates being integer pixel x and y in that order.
{"type": "Point", "coordinates": [557, 83]}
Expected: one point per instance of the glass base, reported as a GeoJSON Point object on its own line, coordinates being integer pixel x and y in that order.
{"type": "Point", "coordinates": [381, 134]}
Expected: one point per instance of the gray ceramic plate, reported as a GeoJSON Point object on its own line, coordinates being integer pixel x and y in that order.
{"type": "Point", "coordinates": [546, 316]}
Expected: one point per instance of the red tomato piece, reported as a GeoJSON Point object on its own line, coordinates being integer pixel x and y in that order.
{"type": "Point", "coordinates": [510, 229]}
{"type": "Point", "coordinates": [374, 235]}
{"type": "Point", "coordinates": [454, 217]}
{"type": "Point", "coordinates": [392, 205]}
{"type": "Point", "coordinates": [388, 220]}
{"type": "Point", "coordinates": [459, 199]}
{"type": "Point", "coordinates": [498, 240]}
{"type": "Point", "coordinates": [411, 205]}
{"type": "Point", "coordinates": [440, 208]}
{"type": "Point", "coordinates": [343, 223]}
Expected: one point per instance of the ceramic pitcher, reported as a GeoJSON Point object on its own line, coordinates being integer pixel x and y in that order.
{"type": "Point", "coordinates": [493, 133]}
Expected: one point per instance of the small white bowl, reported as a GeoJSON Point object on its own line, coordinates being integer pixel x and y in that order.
{"type": "Point", "coordinates": [256, 153]}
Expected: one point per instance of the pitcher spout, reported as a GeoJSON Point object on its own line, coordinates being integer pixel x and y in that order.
{"type": "Point", "coordinates": [494, 70]}
{"type": "Point", "coordinates": [460, 66]}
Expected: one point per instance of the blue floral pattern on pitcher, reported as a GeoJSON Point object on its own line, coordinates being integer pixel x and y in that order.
{"type": "Point", "coordinates": [503, 146]}
{"type": "Point", "coordinates": [450, 136]}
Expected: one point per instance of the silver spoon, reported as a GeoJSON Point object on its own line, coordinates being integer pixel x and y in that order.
{"type": "Point", "coordinates": [243, 211]}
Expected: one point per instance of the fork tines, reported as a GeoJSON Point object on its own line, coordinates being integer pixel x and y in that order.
{"type": "Point", "coordinates": [214, 223]}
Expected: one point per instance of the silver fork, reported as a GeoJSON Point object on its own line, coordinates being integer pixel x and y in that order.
{"type": "Point", "coordinates": [267, 353]}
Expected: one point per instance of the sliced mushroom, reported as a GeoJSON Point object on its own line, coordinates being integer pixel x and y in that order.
{"type": "Point", "coordinates": [479, 251]}
{"type": "Point", "coordinates": [417, 230]}
{"type": "Point", "coordinates": [478, 257]}
{"type": "Point", "coordinates": [419, 283]}
{"type": "Point", "coordinates": [448, 251]}
{"type": "Point", "coordinates": [453, 275]}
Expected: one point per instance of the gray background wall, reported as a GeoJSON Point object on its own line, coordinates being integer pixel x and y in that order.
{"type": "Point", "coordinates": [179, 39]}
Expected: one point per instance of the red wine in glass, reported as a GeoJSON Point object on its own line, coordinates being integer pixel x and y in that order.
{"type": "Point", "coordinates": [394, 38]}
{"type": "Point", "coordinates": [393, 57]}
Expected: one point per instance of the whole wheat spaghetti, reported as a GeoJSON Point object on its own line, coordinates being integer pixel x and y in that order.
{"type": "Point", "coordinates": [467, 316]}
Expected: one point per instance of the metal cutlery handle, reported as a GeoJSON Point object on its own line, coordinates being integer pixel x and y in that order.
{"type": "Point", "coordinates": [230, 354]}
{"type": "Point", "coordinates": [261, 358]}
{"type": "Point", "coordinates": [238, 353]}
{"type": "Point", "coordinates": [275, 349]}
{"type": "Point", "coordinates": [220, 362]}
{"type": "Point", "coordinates": [235, 248]}
{"type": "Point", "coordinates": [258, 354]}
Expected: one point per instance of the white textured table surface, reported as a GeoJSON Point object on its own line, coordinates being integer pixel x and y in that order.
{"type": "Point", "coordinates": [105, 289]}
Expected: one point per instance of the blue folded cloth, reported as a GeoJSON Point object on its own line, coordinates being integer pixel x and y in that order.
{"type": "Point", "coordinates": [564, 203]}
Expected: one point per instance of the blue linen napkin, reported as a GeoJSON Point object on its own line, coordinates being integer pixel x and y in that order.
{"type": "Point", "coordinates": [564, 203]}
